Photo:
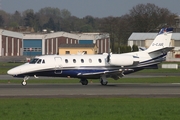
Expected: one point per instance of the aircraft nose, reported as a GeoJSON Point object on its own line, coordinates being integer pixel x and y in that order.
{"type": "Point", "coordinates": [12, 72]}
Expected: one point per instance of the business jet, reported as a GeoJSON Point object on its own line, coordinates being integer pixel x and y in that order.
{"type": "Point", "coordinates": [100, 67]}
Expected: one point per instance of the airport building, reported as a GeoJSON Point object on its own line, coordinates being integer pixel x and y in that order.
{"type": "Point", "coordinates": [77, 49]}
{"type": "Point", "coordinates": [35, 44]}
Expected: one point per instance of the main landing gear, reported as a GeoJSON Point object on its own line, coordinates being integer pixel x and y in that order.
{"type": "Point", "coordinates": [84, 81]}
{"type": "Point", "coordinates": [103, 80]}
{"type": "Point", "coordinates": [24, 81]}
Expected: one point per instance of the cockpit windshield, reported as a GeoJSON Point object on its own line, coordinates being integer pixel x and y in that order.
{"type": "Point", "coordinates": [38, 61]}
{"type": "Point", "coordinates": [33, 61]}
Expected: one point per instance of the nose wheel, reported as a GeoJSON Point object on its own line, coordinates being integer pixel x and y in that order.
{"type": "Point", "coordinates": [24, 81]}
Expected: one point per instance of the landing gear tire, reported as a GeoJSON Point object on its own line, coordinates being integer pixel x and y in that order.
{"type": "Point", "coordinates": [84, 81]}
{"type": "Point", "coordinates": [103, 80]}
{"type": "Point", "coordinates": [104, 83]}
{"type": "Point", "coordinates": [24, 83]}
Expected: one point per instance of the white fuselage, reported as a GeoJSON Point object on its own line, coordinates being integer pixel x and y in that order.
{"type": "Point", "coordinates": [73, 65]}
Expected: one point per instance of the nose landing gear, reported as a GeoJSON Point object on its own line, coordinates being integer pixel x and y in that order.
{"type": "Point", "coordinates": [24, 80]}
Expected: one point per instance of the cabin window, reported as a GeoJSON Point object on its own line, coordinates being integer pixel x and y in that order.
{"type": "Point", "coordinates": [90, 60]}
{"type": "Point", "coordinates": [43, 61]}
{"type": "Point", "coordinates": [33, 61]}
{"type": "Point", "coordinates": [99, 60]}
{"type": "Point", "coordinates": [82, 60]}
{"type": "Point", "coordinates": [74, 60]}
{"type": "Point", "coordinates": [39, 61]}
{"type": "Point", "coordinates": [66, 60]}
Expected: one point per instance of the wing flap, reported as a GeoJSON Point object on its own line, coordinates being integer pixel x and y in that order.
{"type": "Point", "coordinates": [115, 74]}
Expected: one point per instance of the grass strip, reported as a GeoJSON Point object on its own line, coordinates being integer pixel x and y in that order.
{"type": "Point", "coordinates": [90, 108]}
{"type": "Point", "coordinates": [167, 79]}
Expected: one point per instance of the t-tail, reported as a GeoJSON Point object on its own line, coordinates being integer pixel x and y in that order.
{"type": "Point", "coordinates": [162, 41]}
{"type": "Point", "coordinates": [158, 50]}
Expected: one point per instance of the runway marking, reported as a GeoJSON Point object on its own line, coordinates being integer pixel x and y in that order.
{"type": "Point", "coordinates": [176, 83]}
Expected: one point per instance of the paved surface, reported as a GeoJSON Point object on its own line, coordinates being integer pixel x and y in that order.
{"type": "Point", "coordinates": [91, 90]}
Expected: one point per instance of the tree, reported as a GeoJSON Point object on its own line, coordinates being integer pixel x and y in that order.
{"type": "Point", "coordinates": [65, 14]}
{"type": "Point", "coordinates": [135, 48]}
{"type": "Point", "coordinates": [108, 25]}
{"type": "Point", "coordinates": [148, 17]}
{"type": "Point", "coordinates": [86, 28]}
{"type": "Point", "coordinates": [16, 20]}
{"type": "Point", "coordinates": [1, 21]}
{"type": "Point", "coordinates": [46, 13]}
{"type": "Point", "coordinates": [50, 25]}
{"type": "Point", "coordinates": [32, 21]}
{"type": "Point", "coordinates": [5, 18]}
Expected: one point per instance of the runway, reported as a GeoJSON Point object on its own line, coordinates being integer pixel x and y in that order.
{"type": "Point", "coordinates": [91, 90]}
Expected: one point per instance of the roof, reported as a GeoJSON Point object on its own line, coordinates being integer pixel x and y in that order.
{"type": "Point", "coordinates": [77, 45]}
{"type": "Point", "coordinates": [151, 36]}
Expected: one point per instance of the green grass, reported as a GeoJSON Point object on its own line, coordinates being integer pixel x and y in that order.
{"type": "Point", "coordinates": [167, 79]}
{"type": "Point", "coordinates": [4, 67]}
{"type": "Point", "coordinates": [160, 70]}
{"type": "Point", "coordinates": [90, 109]}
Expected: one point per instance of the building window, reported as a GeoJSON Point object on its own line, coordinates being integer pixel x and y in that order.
{"type": "Point", "coordinates": [176, 43]}
{"type": "Point", "coordinates": [67, 52]}
{"type": "Point", "coordinates": [85, 52]}
{"type": "Point", "coordinates": [27, 49]}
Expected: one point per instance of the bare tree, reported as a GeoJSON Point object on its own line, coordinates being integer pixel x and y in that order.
{"type": "Point", "coordinates": [6, 18]}
{"type": "Point", "coordinates": [1, 21]}
{"type": "Point", "coordinates": [46, 13]}
{"type": "Point", "coordinates": [108, 25]}
{"type": "Point", "coordinates": [147, 17]}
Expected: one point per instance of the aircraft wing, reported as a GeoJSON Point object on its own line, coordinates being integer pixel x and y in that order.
{"type": "Point", "coordinates": [115, 74]}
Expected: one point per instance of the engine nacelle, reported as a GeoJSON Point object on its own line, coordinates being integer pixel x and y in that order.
{"type": "Point", "coordinates": [122, 60]}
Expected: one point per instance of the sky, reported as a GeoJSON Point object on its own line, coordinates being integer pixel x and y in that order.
{"type": "Point", "coordinates": [82, 8]}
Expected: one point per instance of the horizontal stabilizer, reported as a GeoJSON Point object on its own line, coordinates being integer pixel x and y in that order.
{"type": "Point", "coordinates": [162, 50]}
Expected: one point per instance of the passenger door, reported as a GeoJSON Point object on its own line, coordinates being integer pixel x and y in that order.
{"type": "Point", "coordinates": [58, 65]}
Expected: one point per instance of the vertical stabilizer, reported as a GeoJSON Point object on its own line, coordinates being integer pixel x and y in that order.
{"type": "Point", "coordinates": [162, 40]}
